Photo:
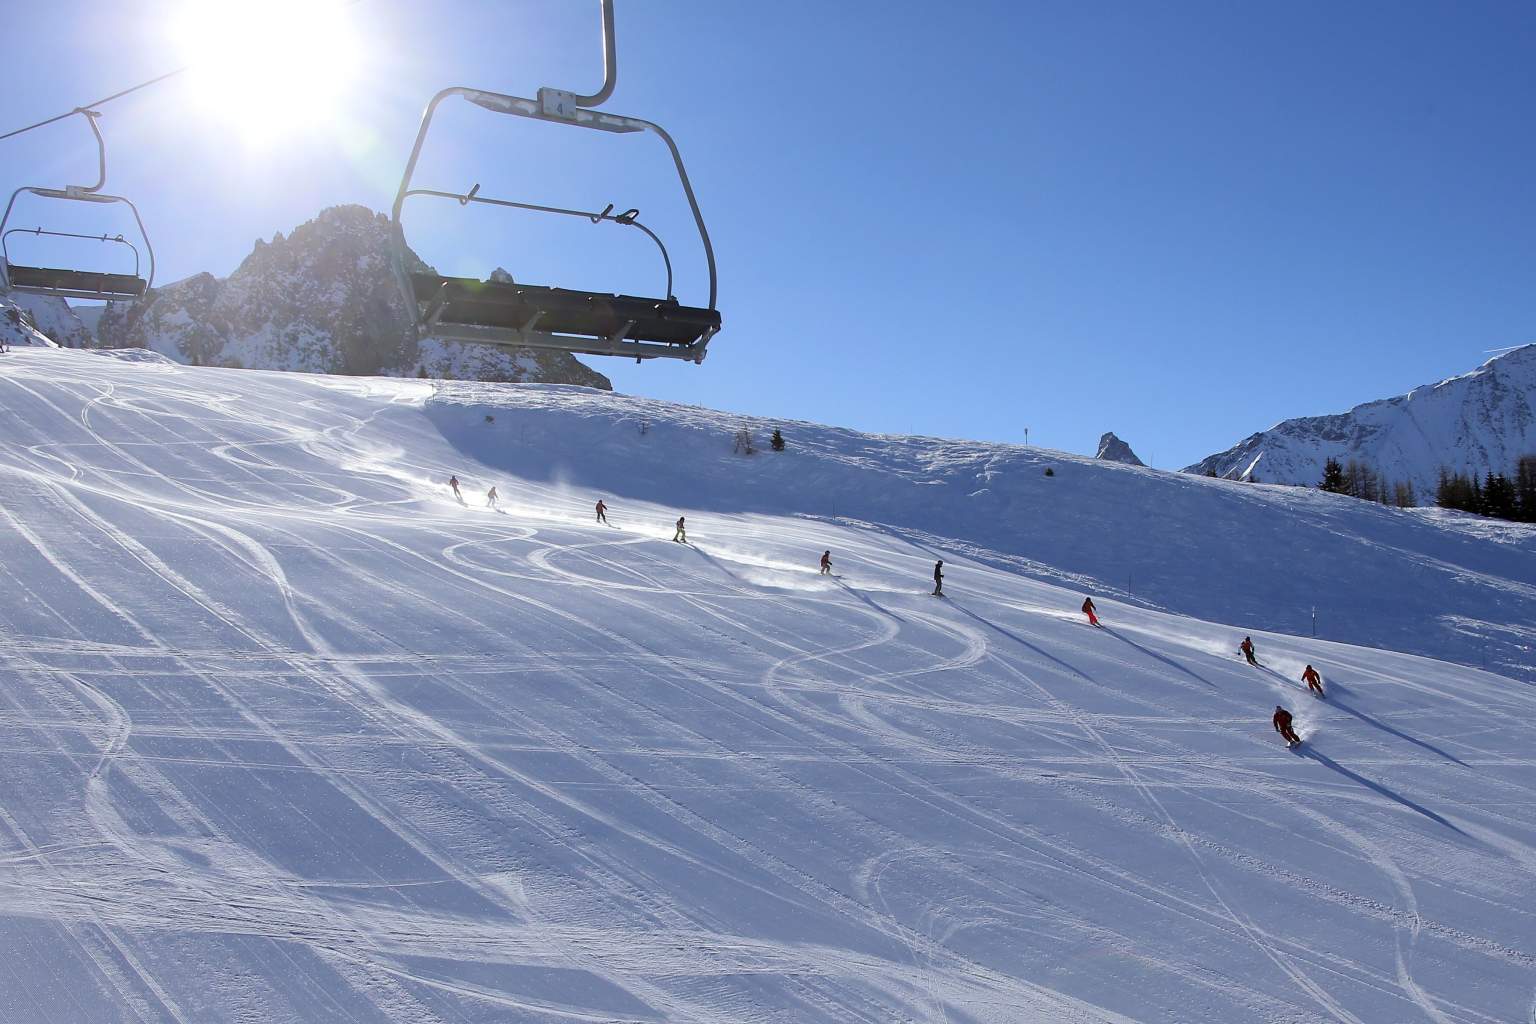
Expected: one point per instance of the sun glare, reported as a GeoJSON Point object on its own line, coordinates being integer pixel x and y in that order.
{"type": "Point", "coordinates": [270, 66]}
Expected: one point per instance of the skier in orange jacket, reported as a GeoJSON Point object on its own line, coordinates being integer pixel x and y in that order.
{"type": "Point", "coordinates": [1247, 648]}
{"type": "Point", "coordinates": [1088, 610]}
{"type": "Point", "coordinates": [826, 563]}
{"type": "Point", "coordinates": [1313, 680]}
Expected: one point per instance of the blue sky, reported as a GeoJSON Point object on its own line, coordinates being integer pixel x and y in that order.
{"type": "Point", "coordinates": [1181, 222]}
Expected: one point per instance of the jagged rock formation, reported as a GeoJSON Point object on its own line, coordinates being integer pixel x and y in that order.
{"type": "Point", "coordinates": [1112, 449]}
{"type": "Point", "coordinates": [321, 300]}
{"type": "Point", "coordinates": [38, 319]}
{"type": "Point", "coordinates": [1475, 423]}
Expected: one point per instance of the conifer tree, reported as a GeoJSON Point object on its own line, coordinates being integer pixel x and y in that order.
{"type": "Point", "coordinates": [776, 442]}
{"type": "Point", "coordinates": [1333, 477]}
{"type": "Point", "coordinates": [1525, 488]}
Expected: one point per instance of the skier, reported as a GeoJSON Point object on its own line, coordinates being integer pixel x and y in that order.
{"type": "Point", "coordinates": [1247, 648]}
{"type": "Point", "coordinates": [490, 498]}
{"type": "Point", "coordinates": [826, 562]}
{"type": "Point", "coordinates": [1313, 680]}
{"type": "Point", "coordinates": [602, 512]}
{"type": "Point", "coordinates": [1282, 722]}
{"type": "Point", "coordinates": [453, 482]}
{"type": "Point", "coordinates": [938, 578]}
{"type": "Point", "coordinates": [681, 536]}
{"type": "Point", "coordinates": [1088, 610]}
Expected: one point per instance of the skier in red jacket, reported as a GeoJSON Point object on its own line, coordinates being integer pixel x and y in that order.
{"type": "Point", "coordinates": [826, 562]}
{"type": "Point", "coordinates": [1282, 722]}
{"type": "Point", "coordinates": [1313, 680]}
{"type": "Point", "coordinates": [602, 512]}
{"type": "Point", "coordinates": [1088, 610]}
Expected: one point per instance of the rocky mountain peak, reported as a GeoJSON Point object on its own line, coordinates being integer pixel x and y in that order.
{"type": "Point", "coordinates": [321, 299]}
{"type": "Point", "coordinates": [1112, 449]}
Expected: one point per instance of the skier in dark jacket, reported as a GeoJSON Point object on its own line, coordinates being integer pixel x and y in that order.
{"type": "Point", "coordinates": [1088, 610]}
{"type": "Point", "coordinates": [938, 578]}
{"type": "Point", "coordinates": [826, 562]}
{"type": "Point", "coordinates": [453, 482]}
{"type": "Point", "coordinates": [490, 498]}
{"type": "Point", "coordinates": [602, 512]}
{"type": "Point", "coordinates": [1313, 680]}
{"type": "Point", "coordinates": [681, 536]}
{"type": "Point", "coordinates": [1247, 648]}
{"type": "Point", "coordinates": [1282, 722]}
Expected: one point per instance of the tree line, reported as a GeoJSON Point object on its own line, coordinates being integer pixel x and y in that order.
{"type": "Point", "coordinates": [1367, 483]}
{"type": "Point", "coordinates": [1493, 494]}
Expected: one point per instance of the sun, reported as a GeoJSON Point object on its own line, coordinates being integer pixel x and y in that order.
{"type": "Point", "coordinates": [270, 67]}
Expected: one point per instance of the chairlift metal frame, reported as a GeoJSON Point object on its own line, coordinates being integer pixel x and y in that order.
{"type": "Point", "coordinates": [69, 283]}
{"type": "Point", "coordinates": [585, 323]}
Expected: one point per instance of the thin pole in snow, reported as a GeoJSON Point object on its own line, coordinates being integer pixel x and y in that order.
{"type": "Point", "coordinates": [1314, 622]}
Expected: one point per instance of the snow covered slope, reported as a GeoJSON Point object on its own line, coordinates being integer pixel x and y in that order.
{"type": "Point", "coordinates": [1476, 423]}
{"type": "Point", "coordinates": [290, 735]}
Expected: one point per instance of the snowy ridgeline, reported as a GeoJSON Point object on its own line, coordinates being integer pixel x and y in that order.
{"type": "Point", "coordinates": [1479, 422]}
{"type": "Point", "coordinates": [38, 322]}
{"type": "Point", "coordinates": [290, 735]}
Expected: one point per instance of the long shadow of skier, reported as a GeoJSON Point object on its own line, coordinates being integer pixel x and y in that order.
{"type": "Point", "coordinates": [1158, 657]}
{"type": "Point", "coordinates": [963, 610]}
{"type": "Point", "coordinates": [725, 570]}
{"type": "Point", "coordinates": [1328, 762]}
{"type": "Point", "coordinates": [871, 602]}
{"type": "Point", "coordinates": [1368, 720]}
{"type": "Point", "coordinates": [1384, 727]}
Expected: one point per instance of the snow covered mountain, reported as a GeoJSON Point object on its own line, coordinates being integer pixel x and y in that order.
{"type": "Point", "coordinates": [290, 735]}
{"type": "Point", "coordinates": [321, 300]}
{"type": "Point", "coordinates": [16, 326]}
{"type": "Point", "coordinates": [1112, 449]}
{"type": "Point", "coordinates": [50, 317]}
{"type": "Point", "coordinates": [1479, 422]}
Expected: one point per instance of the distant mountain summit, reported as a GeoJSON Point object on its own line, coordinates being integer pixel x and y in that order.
{"type": "Point", "coordinates": [321, 300]}
{"type": "Point", "coordinates": [1475, 423]}
{"type": "Point", "coordinates": [1112, 449]}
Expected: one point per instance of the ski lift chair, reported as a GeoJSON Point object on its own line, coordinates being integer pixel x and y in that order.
{"type": "Point", "coordinates": [527, 316]}
{"type": "Point", "coordinates": [72, 283]}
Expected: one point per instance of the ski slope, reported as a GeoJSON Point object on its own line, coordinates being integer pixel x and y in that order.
{"type": "Point", "coordinates": [289, 735]}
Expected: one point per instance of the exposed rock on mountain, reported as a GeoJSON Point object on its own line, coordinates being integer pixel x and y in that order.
{"type": "Point", "coordinates": [322, 300]}
{"type": "Point", "coordinates": [1112, 449]}
{"type": "Point", "coordinates": [39, 315]}
{"type": "Point", "coordinates": [16, 327]}
{"type": "Point", "coordinates": [1475, 423]}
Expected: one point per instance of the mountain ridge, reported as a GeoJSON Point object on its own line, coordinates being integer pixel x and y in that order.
{"type": "Point", "coordinates": [1477, 422]}
{"type": "Point", "coordinates": [320, 299]}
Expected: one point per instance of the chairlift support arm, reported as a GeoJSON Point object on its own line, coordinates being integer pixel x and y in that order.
{"type": "Point", "coordinates": [77, 194]}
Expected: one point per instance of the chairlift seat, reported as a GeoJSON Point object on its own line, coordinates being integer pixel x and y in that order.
{"type": "Point", "coordinates": [468, 302]}
{"type": "Point", "coordinates": [75, 284]}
